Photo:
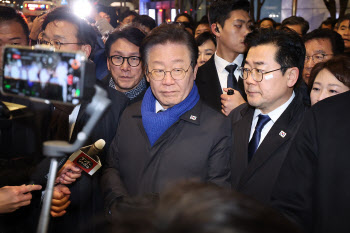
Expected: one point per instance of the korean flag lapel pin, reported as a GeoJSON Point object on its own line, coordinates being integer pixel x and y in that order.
{"type": "Point", "coordinates": [282, 134]}
{"type": "Point", "coordinates": [193, 117]}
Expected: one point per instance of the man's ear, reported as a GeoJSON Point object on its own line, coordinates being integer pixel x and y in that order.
{"type": "Point", "coordinates": [195, 71]}
{"type": "Point", "coordinates": [108, 65]}
{"type": "Point", "coordinates": [86, 48]}
{"type": "Point", "coordinates": [147, 74]}
{"type": "Point", "coordinates": [292, 76]}
{"type": "Point", "coordinates": [216, 29]}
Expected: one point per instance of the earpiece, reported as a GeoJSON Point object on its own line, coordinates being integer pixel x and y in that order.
{"type": "Point", "coordinates": [217, 29]}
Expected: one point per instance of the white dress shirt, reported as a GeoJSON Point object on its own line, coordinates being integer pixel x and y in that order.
{"type": "Point", "coordinates": [221, 64]}
{"type": "Point", "coordinates": [274, 115]}
{"type": "Point", "coordinates": [159, 107]}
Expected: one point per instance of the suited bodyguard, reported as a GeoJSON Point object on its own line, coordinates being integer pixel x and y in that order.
{"type": "Point", "coordinates": [270, 119]}
{"type": "Point", "coordinates": [230, 23]}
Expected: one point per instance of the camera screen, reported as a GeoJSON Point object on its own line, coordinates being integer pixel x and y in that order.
{"type": "Point", "coordinates": [43, 74]}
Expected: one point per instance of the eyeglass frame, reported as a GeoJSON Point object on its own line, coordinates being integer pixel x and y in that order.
{"type": "Point", "coordinates": [307, 58]}
{"type": "Point", "coordinates": [241, 69]}
{"type": "Point", "coordinates": [166, 71]}
{"type": "Point", "coordinates": [60, 43]}
{"type": "Point", "coordinates": [127, 60]}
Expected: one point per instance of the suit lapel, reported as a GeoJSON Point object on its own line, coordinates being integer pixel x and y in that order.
{"type": "Point", "coordinates": [209, 85]}
{"type": "Point", "coordinates": [278, 135]}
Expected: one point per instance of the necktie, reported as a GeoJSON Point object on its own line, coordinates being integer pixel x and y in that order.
{"type": "Point", "coordinates": [254, 142]}
{"type": "Point", "coordinates": [231, 79]}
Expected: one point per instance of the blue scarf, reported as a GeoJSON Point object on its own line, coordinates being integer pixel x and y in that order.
{"type": "Point", "coordinates": [156, 124]}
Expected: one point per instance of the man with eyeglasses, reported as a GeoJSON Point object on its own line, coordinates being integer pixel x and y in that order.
{"type": "Point", "coordinates": [268, 123]}
{"type": "Point", "coordinates": [171, 135]}
{"type": "Point", "coordinates": [321, 45]}
{"type": "Point", "coordinates": [124, 63]}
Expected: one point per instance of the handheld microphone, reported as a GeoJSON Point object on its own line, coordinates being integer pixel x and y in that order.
{"type": "Point", "coordinates": [96, 148]}
{"type": "Point", "coordinates": [87, 157]}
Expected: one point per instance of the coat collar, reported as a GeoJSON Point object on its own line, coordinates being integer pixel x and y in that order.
{"type": "Point", "coordinates": [191, 116]}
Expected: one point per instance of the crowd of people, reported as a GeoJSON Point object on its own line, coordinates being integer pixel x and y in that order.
{"type": "Point", "coordinates": [217, 126]}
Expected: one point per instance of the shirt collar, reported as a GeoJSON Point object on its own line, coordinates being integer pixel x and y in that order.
{"type": "Point", "coordinates": [221, 63]}
{"type": "Point", "coordinates": [275, 114]}
{"type": "Point", "coordinates": [159, 107]}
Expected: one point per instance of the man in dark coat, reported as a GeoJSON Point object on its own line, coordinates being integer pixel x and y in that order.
{"type": "Point", "coordinates": [230, 22]}
{"type": "Point", "coordinates": [313, 185]}
{"type": "Point", "coordinates": [124, 85]}
{"type": "Point", "coordinates": [171, 135]}
{"type": "Point", "coordinates": [269, 122]}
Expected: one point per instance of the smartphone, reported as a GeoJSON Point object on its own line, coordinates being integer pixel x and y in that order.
{"type": "Point", "coordinates": [42, 74]}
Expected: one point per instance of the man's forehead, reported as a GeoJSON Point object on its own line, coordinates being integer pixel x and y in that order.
{"type": "Point", "coordinates": [240, 15]}
{"type": "Point", "coordinates": [345, 22]}
{"type": "Point", "coordinates": [179, 51]}
{"type": "Point", "coordinates": [61, 28]}
{"type": "Point", "coordinates": [318, 44]}
{"type": "Point", "coordinates": [261, 54]}
{"type": "Point", "coordinates": [123, 45]}
{"type": "Point", "coordinates": [12, 27]}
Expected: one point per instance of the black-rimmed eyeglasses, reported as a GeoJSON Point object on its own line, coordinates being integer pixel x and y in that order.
{"type": "Point", "coordinates": [117, 60]}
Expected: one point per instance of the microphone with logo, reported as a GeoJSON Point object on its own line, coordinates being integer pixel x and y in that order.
{"type": "Point", "coordinates": [87, 157]}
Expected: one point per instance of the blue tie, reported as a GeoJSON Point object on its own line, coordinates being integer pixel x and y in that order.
{"type": "Point", "coordinates": [231, 79]}
{"type": "Point", "coordinates": [254, 142]}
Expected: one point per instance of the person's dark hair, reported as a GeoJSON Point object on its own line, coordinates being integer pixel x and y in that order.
{"type": "Point", "coordinates": [296, 20]}
{"type": "Point", "coordinates": [290, 47]}
{"type": "Point", "coordinates": [203, 37]}
{"type": "Point", "coordinates": [205, 208]}
{"type": "Point", "coordinates": [340, 20]}
{"type": "Point", "coordinates": [130, 32]}
{"type": "Point", "coordinates": [335, 39]}
{"type": "Point", "coordinates": [268, 19]}
{"type": "Point", "coordinates": [328, 21]}
{"type": "Point", "coordinates": [190, 23]}
{"type": "Point", "coordinates": [10, 14]}
{"type": "Point", "coordinates": [204, 20]}
{"type": "Point", "coordinates": [190, 19]}
{"type": "Point", "coordinates": [126, 14]}
{"type": "Point", "coordinates": [166, 33]}
{"type": "Point", "coordinates": [221, 10]}
{"type": "Point", "coordinates": [145, 20]}
{"type": "Point", "coordinates": [339, 66]}
{"type": "Point", "coordinates": [85, 32]}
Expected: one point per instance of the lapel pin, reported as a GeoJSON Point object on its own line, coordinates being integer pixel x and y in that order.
{"type": "Point", "coordinates": [193, 117]}
{"type": "Point", "coordinates": [282, 134]}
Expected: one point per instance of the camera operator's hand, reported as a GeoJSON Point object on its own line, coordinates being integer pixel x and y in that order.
{"type": "Point", "coordinates": [14, 197]}
{"type": "Point", "coordinates": [230, 102]}
{"type": "Point", "coordinates": [60, 200]}
{"type": "Point", "coordinates": [68, 174]}
{"type": "Point", "coordinates": [36, 28]}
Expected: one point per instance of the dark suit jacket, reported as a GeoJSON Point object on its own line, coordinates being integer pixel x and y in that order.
{"type": "Point", "coordinates": [209, 88]}
{"type": "Point", "coordinates": [258, 177]}
{"type": "Point", "coordinates": [314, 184]}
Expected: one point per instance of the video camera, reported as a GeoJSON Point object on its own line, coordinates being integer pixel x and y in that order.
{"type": "Point", "coordinates": [42, 74]}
